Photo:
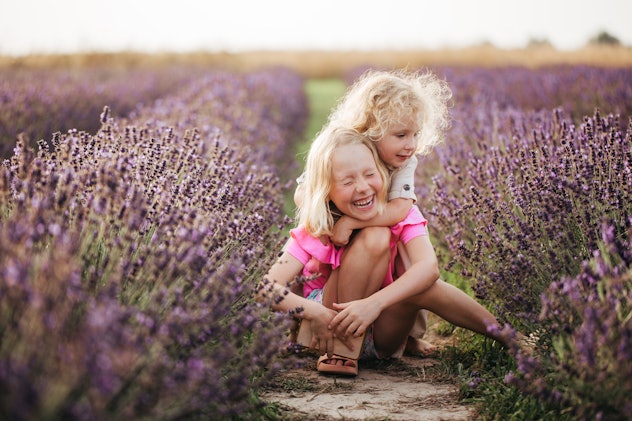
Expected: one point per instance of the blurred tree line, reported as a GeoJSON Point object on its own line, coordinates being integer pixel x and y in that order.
{"type": "Point", "coordinates": [602, 38]}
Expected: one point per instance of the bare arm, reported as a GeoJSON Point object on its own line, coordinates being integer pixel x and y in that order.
{"type": "Point", "coordinates": [282, 272]}
{"type": "Point", "coordinates": [396, 210]}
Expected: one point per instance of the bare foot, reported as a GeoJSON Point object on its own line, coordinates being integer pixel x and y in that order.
{"type": "Point", "coordinates": [337, 365]}
{"type": "Point", "coordinates": [419, 348]}
{"type": "Point", "coordinates": [339, 361]}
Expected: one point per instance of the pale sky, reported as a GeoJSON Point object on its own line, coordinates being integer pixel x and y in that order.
{"type": "Point", "coordinates": [68, 26]}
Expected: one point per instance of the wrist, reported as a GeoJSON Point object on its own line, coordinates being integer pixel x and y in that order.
{"type": "Point", "coordinates": [352, 223]}
{"type": "Point", "coordinates": [377, 301]}
{"type": "Point", "coordinates": [312, 310]}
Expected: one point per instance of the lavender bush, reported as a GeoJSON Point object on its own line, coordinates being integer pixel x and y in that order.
{"type": "Point", "coordinates": [587, 371]}
{"type": "Point", "coordinates": [39, 102]}
{"type": "Point", "coordinates": [532, 203]}
{"type": "Point", "coordinates": [127, 262]}
{"type": "Point", "coordinates": [239, 105]}
{"type": "Point", "coordinates": [528, 208]}
{"type": "Point", "coordinates": [578, 90]}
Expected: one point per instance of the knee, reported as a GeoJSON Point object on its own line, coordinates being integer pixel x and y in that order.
{"type": "Point", "coordinates": [375, 241]}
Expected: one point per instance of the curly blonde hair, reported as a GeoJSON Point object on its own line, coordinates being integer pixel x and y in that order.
{"type": "Point", "coordinates": [315, 212]}
{"type": "Point", "coordinates": [378, 99]}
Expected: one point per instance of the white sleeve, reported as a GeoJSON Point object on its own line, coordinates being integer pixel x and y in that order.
{"type": "Point", "coordinates": [403, 181]}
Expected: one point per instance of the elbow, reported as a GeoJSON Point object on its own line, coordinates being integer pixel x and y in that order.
{"type": "Point", "coordinates": [434, 270]}
{"type": "Point", "coordinates": [264, 291]}
{"type": "Point", "coordinates": [436, 275]}
{"type": "Point", "coordinates": [260, 293]}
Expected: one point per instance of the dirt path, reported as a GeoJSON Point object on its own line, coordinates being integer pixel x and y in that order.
{"type": "Point", "coordinates": [407, 389]}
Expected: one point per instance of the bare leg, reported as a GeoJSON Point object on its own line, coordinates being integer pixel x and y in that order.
{"type": "Point", "coordinates": [361, 273]}
{"type": "Point", "coordinates": [415, 345]}
{"type": "Point", "coordinates": [362, 269]}
{"type": "Point", "coordinates": [391, 329]}
{"type": "Point", "coordinates": [458, 308]}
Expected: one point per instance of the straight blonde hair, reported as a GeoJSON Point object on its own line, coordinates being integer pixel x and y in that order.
{"type": "Point", "coordinates": [315, 212]}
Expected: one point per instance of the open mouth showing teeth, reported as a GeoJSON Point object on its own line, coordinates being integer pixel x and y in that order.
{"type": "Point", "coordinates": [363, 203]}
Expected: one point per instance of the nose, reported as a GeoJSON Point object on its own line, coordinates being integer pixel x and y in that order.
{"type": "Point", "coordinates": [361, 185]}
{"type": "Point", "coordinates": [411, 144]}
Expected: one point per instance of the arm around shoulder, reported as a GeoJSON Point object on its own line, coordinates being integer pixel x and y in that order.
{"type": "Point", "coordinates": [395, 212]}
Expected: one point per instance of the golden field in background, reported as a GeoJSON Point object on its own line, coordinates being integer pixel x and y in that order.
{"type": "Point", "coordinates": [336, 63]}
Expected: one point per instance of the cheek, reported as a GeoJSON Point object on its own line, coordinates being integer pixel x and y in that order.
{"type": "Point", "coordinates": [337, 195]}
{"type": "Point", "coordinates": [377, 186]}
{"type": "Point", "coordinates": [380, 146]}
{"type": "Point", "coordinates": [390, 150]}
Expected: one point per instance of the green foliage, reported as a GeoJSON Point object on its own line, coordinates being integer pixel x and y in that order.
{"type": "Point", "coordinates": [322, 94]}
{"type": "Point", "coordinates": [480, 366]}
{"type": "Point", "coordinates": [605, 38]}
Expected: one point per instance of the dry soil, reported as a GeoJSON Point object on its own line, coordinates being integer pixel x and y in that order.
{"type": "Point", "coordinates": [410, 388]}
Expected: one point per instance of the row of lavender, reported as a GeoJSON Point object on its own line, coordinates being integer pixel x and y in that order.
{"type": "Point", "coordinates": [532, 201]}
{"type": "Point", "coordinates": [128, 256]}
{"type": "Point", "coordinates": [38, 101]}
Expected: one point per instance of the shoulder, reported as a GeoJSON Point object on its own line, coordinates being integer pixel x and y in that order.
{"type": "Point", "coordinates": [414, 217]}
{"type": "Point", "coordinates": [414, 225]}
{"type": "Point", "coordinates": [301, 236]}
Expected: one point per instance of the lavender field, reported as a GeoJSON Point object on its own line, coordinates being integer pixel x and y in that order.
{"type": "Point", "coordinates": [138, 211]}
{"type": "Point", "coordinates": [532, 205]}
{"type": "Point", "coordinates": [128, 254]}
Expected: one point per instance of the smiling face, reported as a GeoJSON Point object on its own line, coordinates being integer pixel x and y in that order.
{"type": "Point", "coordinates": [398, 143]}
{"type": "Point", "coordinates": [355, 181]}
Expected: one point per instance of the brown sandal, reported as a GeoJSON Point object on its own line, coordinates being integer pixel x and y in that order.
{"type": "Point", "coordinates": [344, 369]}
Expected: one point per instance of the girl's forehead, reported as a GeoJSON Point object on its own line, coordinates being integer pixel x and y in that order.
{"type": "Point", "coordinates": [355, 150]}
{"type": "Point", "coordinates": [405, 123]}
{"type": "Point", "coordinates": [347, 158]}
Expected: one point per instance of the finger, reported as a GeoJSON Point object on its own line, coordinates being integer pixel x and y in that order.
{"type": "Point", "coordinates": [348, 343]}
{"type": "Point", "coordinates": [323, 347]}
{"type": "Point", "coordinates": [340, 306]}
{"type": "Point", "coordinates": [348, 329]}
{"type": "Point", "coordinates": [359, 331]}
{"type": "Point", "coordinates": [336, 321]}
{"type": "Point", "coordinates": [330, 348]}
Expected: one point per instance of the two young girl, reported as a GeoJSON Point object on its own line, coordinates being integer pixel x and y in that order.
{"type": "Point", "coordinates": [345, 177]}
{"type": "Point", "coordinates": [405, 114]}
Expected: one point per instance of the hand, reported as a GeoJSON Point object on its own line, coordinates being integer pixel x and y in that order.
{"type": "Point", "coordinates": [354, 318]}
{"type": "Point", "coordinates": [322, 336]}
{"type": "Point", "coordinates": [342, 231]}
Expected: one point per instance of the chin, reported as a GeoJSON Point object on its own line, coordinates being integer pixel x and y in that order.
{"type": "Point", "coordinates": [363, 216]}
